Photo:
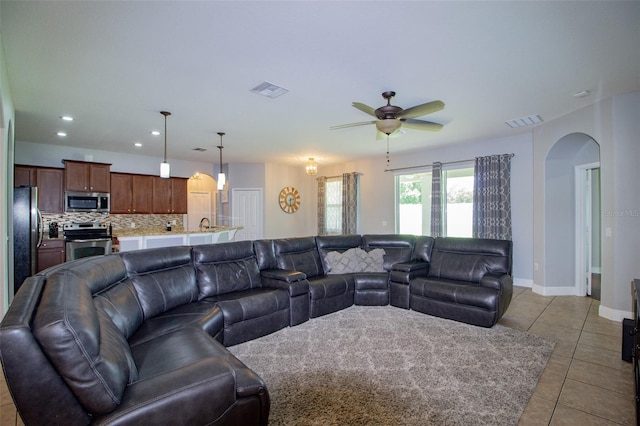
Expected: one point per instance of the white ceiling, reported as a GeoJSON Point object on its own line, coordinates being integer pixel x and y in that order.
{"type": "Point", "coordinates": [115, 65]}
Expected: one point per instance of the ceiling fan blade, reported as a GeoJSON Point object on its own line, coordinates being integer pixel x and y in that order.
{"type": "Point", "coordinates": [365, 108]}
{"type": "Point", "coordinates": [344, 126]}
{"type": "Point", "coordinates": [421, 125]}
{"type": "Point", "coordinates": [420, 110]}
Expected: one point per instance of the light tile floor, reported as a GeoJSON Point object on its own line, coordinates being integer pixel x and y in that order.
{"type": "Point", "coordinates": [585, 381]}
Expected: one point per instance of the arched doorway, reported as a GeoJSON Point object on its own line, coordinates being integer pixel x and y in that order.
{"type": "Point", "coordinates": [572, 215]}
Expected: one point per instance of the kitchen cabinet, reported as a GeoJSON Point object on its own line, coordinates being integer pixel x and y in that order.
{"type": "Point", "coordinates": [50, 253]}
{"type": "Point", "coordinates": [24, 176]}
{"type": "Point", "coordinates": [83, 176]}
{"type": "Point", "coordinates": [169, 195]}
{"type": "Point", "coordinates": [131, 193]}
{"type": "Point", "coordinates": [50, 189]}
{"type": "Point", "coordinates": [179, 195]}
{"type": "Point", "coordinates": [50, 183]}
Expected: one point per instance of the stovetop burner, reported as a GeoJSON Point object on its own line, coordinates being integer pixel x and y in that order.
{"type": "Point", "coordinates": [85, 230]}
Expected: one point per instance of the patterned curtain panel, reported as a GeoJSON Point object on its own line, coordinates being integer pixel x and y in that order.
{"type": "Point", "coordinates": [321, 205]}
{"type": "Point", "coordinates": [492, 197]}
{"type": "Point", "coordinates": [349, 203]}
{"type": "Point", "coordinates": [436, 200]}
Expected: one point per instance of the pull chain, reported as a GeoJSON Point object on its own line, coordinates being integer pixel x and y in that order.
{"type": "Point", "coordinates": [387, 151]}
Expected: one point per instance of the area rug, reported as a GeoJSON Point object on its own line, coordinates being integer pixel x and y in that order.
{"type": "Point", "coordinates": [390, 366]}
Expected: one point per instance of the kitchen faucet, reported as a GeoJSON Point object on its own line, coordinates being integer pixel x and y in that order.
{"type": "Point", "coordinates": [202, 223]}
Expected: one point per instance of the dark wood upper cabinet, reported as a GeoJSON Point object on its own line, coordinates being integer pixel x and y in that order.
{"type": "Point", "coordinates": [50, 183]}
{"type": "Point", "coordinates": [179, 195]}
{"type": "Point", "coordinates": [24, 176]}
{"type": "Point", "coordinates": [161, 195]}
{"type": "Point", "coordinates": [131, 193]}
{"type": "Point", "coordinates": [83, 176]}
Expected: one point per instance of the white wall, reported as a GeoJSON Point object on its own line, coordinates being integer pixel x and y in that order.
{"type": "Point", "coordinates": [377, 189]}
{"type": "Point", "coordinates": [52, 155]}
{"type": "Point", "coordinates": [7, 118]}
{"type": "Point", "coordinates": [613, 123]}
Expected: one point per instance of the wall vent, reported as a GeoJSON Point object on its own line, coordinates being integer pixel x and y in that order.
{"type": "Point", "coordinates": [269, 90]}
{"type": "Point", "coordinates": [524, 121]}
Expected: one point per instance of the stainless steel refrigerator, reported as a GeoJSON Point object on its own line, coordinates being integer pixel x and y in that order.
{"type": "Point", "coordinates": [27, 233]}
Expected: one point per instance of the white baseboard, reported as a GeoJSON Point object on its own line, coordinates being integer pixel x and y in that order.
{"type": "Point", "coordinates": [523, 282]}
{"type": "Point", "coordinates": [614, 314]}
{"type": "Point", "coordinates": [555, 291]}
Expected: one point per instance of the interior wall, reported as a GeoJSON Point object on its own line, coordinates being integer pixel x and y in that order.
{"type": "Point", "coordinates": [614, 125]}
{"type": "Point", "coordinates": [52, 155]}
{"type": "Point", "coordinates": [560, 198]}
{"type": "Point", "coordinates": [377, 187]}
{"type": "Point", "coordinates": [7, 118]}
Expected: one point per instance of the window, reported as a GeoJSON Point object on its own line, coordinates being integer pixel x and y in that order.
{"type": "Point", "coordinates": [413, 204]}
{"type": "Point", "coordinates": [333, 205]}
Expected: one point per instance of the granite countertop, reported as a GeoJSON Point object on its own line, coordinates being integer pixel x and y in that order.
{"type": "Point", "coordinates": [145, 232]}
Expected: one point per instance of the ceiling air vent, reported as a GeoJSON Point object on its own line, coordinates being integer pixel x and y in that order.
{"type": "Point", "coordinates": [269, 90]}
{"type": "Point", "coordinates": [524, 121]}
{"type": "Point", "coordinates": [200, 149]}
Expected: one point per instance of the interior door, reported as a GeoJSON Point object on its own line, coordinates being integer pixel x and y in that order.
{"type": "Point", "coordinates": [198, 207]}
{"type": "Point", "coordinates": [247, 211]}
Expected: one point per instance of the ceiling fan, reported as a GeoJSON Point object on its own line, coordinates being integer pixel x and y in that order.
{"type": "Point", "coordinates": [390, 118]}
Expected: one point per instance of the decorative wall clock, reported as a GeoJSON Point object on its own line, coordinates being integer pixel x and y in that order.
{"type": "Point", "coordinates": [289, 199]}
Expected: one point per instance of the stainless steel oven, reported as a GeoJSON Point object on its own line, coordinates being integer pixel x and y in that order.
{"type": "Point", "coordinates": [84, 239]}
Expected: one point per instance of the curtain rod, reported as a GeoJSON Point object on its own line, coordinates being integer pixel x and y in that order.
{"type": "Point", "coordinates": [429, 165]}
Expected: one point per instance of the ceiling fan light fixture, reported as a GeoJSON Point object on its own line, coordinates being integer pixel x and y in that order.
{"type": "Point", "coordinates": [312, 167]}
{"type": "Point", "coordinates": [388, 126]}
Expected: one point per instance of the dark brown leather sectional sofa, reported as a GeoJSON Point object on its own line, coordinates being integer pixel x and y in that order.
{"type": "Point", "coordinates": [139, 337]}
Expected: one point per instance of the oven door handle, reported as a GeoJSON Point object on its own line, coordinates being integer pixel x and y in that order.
{"type": "Point", "coordinates": [91, 240]}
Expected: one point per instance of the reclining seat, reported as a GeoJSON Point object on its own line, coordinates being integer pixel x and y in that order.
{"type": "Point", "coordinates": [327, 293]}
{"type": "Point", "coordinates": [228, 275]}
{"type": "Point", "coordinates": [372, 286]}
{"type": "Point", "coordinates": [469, 280]}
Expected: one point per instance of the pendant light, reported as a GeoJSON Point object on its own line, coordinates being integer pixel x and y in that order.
{"type": "Point", "coordinates": [221, 177]}
{"type": "Point", "coordinates": [165, 169]}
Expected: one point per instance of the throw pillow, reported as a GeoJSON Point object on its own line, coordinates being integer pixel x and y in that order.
{"type": "Point", "coordinates": [355, 260]}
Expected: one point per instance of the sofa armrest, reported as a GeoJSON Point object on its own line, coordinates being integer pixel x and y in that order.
{"type": "Point", "coordinates": [500, 282]}
{"type": "Point", "coordinates": [293, 281]}
{"type": "Point", "coordinates": [184, 396]}
{"type": "Point", "coordinates": [404, 272]}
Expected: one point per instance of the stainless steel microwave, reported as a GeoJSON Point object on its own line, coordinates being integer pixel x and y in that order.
{"type": "Point", "coordinates": [86, 202]}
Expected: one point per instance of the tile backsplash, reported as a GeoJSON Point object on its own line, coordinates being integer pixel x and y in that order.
{"type": "Point", "coordinates": [117, 221]}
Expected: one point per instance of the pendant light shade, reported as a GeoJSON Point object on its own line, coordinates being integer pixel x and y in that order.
{"type": "Point", "coordinates": [222, 179]}
{"type": "Point", "coordinates": [388, 126]}
{"type": "Point", "coordinates": [311, 167]}
{"type": "Point", "coordinates": [165, 169]}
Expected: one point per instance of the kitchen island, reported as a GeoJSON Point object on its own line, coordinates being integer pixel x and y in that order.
{"type": "Point", "coordinates": [142, 238]}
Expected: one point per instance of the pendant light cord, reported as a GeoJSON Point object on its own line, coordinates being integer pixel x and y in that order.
{"type": "Point", "coordinates": [165, 113]}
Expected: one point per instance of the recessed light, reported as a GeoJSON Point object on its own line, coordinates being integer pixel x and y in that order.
{"type": "Point", "coordinates": [137, 144]}
{"type": "Point", "coordinates": [61, 134]}
{"type": "Point", "coordinates": [66, 118]}
{"type": "Point", "coordinates": [155, 133]}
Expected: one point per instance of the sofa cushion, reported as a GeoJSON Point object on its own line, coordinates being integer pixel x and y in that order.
{"type": "Point", "coordinates": [163, 278]}
{"type": "Point", "coordinates": [81, 341]}
{"type": "Point", "coordinates": [298, 254]}
{"type": "Point", "coordinates": [468, 294]}
{"type": "Point", "coordinates": [225, 268]}
{"type": "Point", "coordinates": [469, 259]}
{"type": "Point", "coordinates": [201, 315]}
{"type": "Point", "coordinates": [355, 260]}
